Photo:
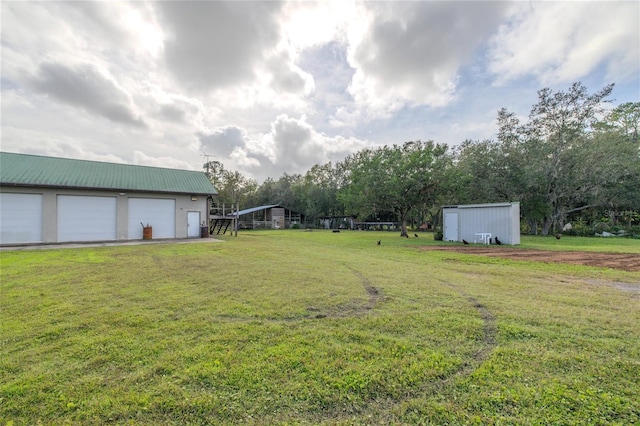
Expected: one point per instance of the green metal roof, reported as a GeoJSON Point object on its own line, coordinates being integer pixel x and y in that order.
{"type": "Point", "coordinates": [35, 170]}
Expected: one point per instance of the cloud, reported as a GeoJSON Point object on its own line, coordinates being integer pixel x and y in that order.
{"type": "Point", "coordinates": [271, 87]}
{"type": "Point", "coordinates": [169, 162]}
{"type": "Point", "coordinates": [131, 24]}
{"type": "Point", "coordinates": [290, 145]}
{"type": "Point", "coordinates": [560, 42]}
{"type": "Point", "coordinates": [410, 52]}
{"type": "Point", "coordinates": [212, 45]}
{"type": "Point", "coordinates": [51, 144]}
{"type": "Point", "coordinates": [84, 86]}
{"type": "Point", "coordinates": [297, 146]}
{"type": "Point", "coordinates": [168, 106]}
{"type": "Point", "coordinates": [288, 77]}
{"type": "Point", "coordinates": [222, 141]}
{"type": "Point", "coordinates": [332, 76]}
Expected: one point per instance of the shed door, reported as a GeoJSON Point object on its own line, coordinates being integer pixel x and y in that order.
{"type": "Point", "coordinates": [451, 227]}
{"type": "Point", "coordinates": [159, 213]}
{"type": "Point", "coordinates": [84, 218]}
{"type": "Point", "coordinates": [193, 224]}
{"type": "Point", "coordinates": [20, 218]}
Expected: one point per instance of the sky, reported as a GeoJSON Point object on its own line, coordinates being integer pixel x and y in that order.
{"type": "Point", "coordinates": [268, 87]}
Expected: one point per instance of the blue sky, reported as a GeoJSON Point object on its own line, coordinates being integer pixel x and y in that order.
{"type": "Point", "coordinates": [275, 87]}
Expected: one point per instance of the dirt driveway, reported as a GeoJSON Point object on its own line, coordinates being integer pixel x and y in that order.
{"type": "Point", "coordinates": [623, 261]}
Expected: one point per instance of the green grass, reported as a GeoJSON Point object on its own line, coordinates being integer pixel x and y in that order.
{"type": "Point", "coordinates": [294, 327]}
{"type": "Point", "coordinates": [569, 243]}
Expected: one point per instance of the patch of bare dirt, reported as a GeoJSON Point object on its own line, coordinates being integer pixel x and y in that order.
{"type": "Point", "coordinates": [623, 261]}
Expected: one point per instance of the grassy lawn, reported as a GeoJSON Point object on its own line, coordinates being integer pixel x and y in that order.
{"type": "Point", "coordinates": [567, 243]}
{"type": "Point", "coordinates": [294, 327]}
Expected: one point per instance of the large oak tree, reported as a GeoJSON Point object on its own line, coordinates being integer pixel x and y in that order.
{"type": "Point", "coordinates": [394, 179]}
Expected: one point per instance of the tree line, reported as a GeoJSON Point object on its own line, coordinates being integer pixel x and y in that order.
{"type": "Point", "coordinates": [570, 160]}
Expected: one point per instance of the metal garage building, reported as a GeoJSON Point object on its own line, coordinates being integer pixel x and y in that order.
{"type": "Point", "coordinates": [52, 200]}
{"type": "Point", "coordinates": [482, 223]}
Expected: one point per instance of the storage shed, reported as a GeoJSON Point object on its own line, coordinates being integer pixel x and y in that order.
{"type": "Point", "coordinates": [482, 223]}
{"type": "Point", "coordinates": [52, 200]}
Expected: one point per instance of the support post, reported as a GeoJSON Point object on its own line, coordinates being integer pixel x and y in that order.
{"type": "Point", "coordinates": [235, 220]}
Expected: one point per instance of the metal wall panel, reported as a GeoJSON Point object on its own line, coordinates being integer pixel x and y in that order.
{"type": "Point", "coordinates": [479, 222]}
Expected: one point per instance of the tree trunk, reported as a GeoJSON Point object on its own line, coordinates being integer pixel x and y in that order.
{"type": "Point", "coordinates": [547, 226]}
{"type": "Point", "coordinates": [403, 228]}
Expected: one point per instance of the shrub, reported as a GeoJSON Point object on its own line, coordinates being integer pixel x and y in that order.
{"type": "Point", "coordinates": [437, 234]}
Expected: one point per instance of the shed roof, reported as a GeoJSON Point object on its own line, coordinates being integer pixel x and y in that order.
{"type": "Point", "coordinates": [476, 206]}
{"type": "Point", "coordinates": [35, 170]}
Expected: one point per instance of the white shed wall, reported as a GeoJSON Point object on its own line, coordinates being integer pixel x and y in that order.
{"type": "Point", "coordinates": [501, 220]}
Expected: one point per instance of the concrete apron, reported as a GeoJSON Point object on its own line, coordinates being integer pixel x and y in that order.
{"type": "Point", "coordinates": [52, 246]}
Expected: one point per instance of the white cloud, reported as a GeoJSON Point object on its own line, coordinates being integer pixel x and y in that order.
{"type": "Point", "coordinates": [275, 87]}
{"type": "Point", "coordinates": [222, 141]}
{"type": "Point", "coordinates": [169, 162]}
{"type": "Point", "coordinates": [87, 87]}
{"type": "Point", "coordinates": [287, 77]}
{"type": "Point", "coordinates": [561, 42]}
{"type": "Point", "coordinates": [54, 145]}
{"type": "Point", "coordinates": [409, 53]}
{"type": "Point", "coordinates": [298, 146]}
{"type": "Point", "coordinates": [211, 45]}
{"type": "Point", "coordinates": [290, 144]}
{"type": "Point", "coordinates": [170, 106]}
{"type": "Point", "coordinates": [312, 23]}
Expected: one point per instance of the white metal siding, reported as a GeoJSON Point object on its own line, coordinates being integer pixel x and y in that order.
{"type": "Point", "coordinates": [159, 213]}
{"type": "Point", "coordinates": [473, 220]}
{"type": "Point", "coordinates": [20, 218]}
{"type": "Point", "coordinates": [494, 219]}
{"type": "Point", "coordinates": [515, 223]}
{"type": "Point", "coordinates": [85, 218]}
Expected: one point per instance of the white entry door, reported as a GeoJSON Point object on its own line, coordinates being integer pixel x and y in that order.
{"type": "Point", "coordinates": [193, 224]}
{"type": "Point", "coordinates": [86, 218]}
{"type": "Point", "coordinates": [159, 213]}
{"type": "Point", "coordinates": [20, 218]}
{"type": "Point", "coordinates": [451, 227]}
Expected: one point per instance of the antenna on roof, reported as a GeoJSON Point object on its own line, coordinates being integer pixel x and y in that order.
{"type": "Point", "coordinates": [207, 164]}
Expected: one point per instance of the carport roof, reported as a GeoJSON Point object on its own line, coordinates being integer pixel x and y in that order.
{"type": "Point", "coordinates": [35, 170]}
{"type": "Point", "coordinates": [260, 208]}
{"type": "Point", "coordinates": [255, 209]}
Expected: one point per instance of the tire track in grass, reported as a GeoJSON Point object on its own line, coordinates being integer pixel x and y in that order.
{"type": "Point", "coordinates": [489, 328]}
{"type": "Point", "coordinates": [490, 333]}
{"type": "Point", "coordinates": [385, 409]}
{"type": "Point", "coordinates": [374, 293]}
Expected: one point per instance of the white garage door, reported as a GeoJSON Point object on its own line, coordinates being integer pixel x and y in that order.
{"type": "Point", "coordinates": [159, 213]}
{"type": "Point", "coordinates": [20, 218]}
{"type": "Point", "coordinates": [82, 218]}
